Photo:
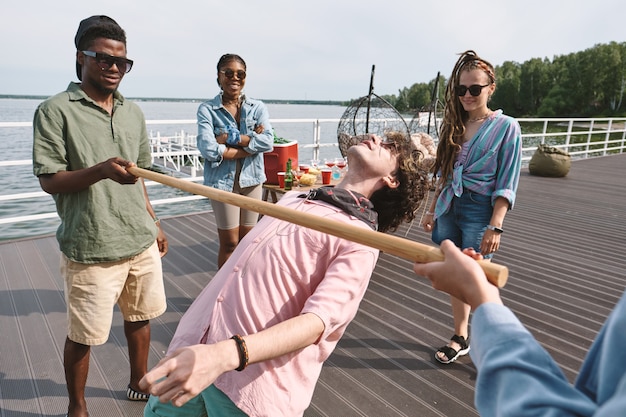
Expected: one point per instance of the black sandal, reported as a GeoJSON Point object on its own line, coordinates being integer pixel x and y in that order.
{"type": "Point", "coordinates": [453, 354]}
{"type": "Point", "coordinates": [133, 395]}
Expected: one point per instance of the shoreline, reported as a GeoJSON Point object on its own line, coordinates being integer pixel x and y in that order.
{"type": "Point", "coordinates": [190, 100]}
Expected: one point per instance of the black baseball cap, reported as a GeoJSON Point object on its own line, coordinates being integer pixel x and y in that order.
{"type": "Point", "coordinates": [84, 26]}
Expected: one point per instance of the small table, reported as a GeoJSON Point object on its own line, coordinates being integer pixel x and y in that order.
{"type": "Point", "coordinates": [274, 191]}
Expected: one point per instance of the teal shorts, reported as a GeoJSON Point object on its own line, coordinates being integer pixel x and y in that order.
{"type": "Point", "coordinates": [211, 402]}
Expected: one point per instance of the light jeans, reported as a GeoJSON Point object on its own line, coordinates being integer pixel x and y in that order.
{"type": "Point", "coordinates": [465, 222]}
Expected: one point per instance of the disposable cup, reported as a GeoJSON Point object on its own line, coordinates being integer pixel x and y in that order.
{"type": "Point", "coordinates": [281, 179]}
{"type": "Point", "coordinates": [326, 173]}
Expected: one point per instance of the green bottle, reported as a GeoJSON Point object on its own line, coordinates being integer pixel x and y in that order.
{"type": "Point", "coordinates": [288, 176]}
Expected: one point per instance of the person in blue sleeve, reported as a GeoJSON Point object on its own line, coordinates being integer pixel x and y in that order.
{"type": "Point", "coordinates": [479, 157]}
{"type": "Point", "coordinates": [233, 133]}
{"type": "Point", "coordinates": [516, 376]}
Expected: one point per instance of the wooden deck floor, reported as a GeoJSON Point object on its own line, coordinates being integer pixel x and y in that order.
{"type": "Point", "coordinates": [564, 245]}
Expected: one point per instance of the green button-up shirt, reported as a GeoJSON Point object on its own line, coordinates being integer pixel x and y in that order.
{"type": "Point", "coordinates": [108, 221]}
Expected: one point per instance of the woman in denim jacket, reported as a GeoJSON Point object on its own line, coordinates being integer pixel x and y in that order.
{"type": "Point", "coordinates": [233, 133]}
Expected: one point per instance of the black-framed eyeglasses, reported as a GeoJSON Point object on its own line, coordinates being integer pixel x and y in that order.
{"type": "Point", "coordinates": [241, 74]}
{"type": "Point", "coordinates": [104, 61]}
{"type": "Point", "coordinates": [474, 89]}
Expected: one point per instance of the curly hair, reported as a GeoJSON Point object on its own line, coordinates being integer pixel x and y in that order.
{"type": "Point", "coordinates": [454, 115]}
{"type": "Point", "coordinates": [397, 205]}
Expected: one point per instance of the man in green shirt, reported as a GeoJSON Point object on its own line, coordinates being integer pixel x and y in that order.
{"type": "Point", "coordinates": [110, 237]}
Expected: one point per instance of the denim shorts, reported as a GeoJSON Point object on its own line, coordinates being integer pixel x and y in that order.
{"type": "Point", "coordinates": [465, 222]}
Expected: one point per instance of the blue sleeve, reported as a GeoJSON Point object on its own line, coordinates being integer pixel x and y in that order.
{"type": "Point", "coordinates": [205, 141]}
{"type": "Point", "coordinates": [602, 376]}
{"type": "Point", "coordinates": [260, 142]}
{"type": "Point", "coordinates": [509, 163]}
{"type": "Point", "coordinates": [616, 404]}
{"type": "Point", "coordinates": [516, 376]}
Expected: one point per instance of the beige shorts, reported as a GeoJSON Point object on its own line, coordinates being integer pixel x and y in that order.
{"type": "Point", "coordinates": [228, 216]}
{"type": "Point", "coordinates": [92, 290]}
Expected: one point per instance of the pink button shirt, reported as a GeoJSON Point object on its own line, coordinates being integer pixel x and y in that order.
{"type": "Point", "coordinates": [279, 271]}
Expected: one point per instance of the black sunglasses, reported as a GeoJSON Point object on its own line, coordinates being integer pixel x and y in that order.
{"type": "Point", "coordinates": [105, 61]}
{"type": "Point", "coordinates": [391, 145]}
{"type": "Point", "coordinates": [474, 89]}
{"type": "Point", "coordinates": [241, 74]}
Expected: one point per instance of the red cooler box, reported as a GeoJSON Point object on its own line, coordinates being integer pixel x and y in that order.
{"type": "Point", "coordinates": [276, 160]}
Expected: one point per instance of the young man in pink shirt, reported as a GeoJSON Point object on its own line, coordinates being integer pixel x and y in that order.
{"type": "Point", "coordinates": [277, 308]}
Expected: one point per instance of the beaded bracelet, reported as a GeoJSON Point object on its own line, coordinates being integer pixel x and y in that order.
{"type": "Point", "coordinates": [429, 213]}
{"type": "Point", "coordinates": [243, 352]}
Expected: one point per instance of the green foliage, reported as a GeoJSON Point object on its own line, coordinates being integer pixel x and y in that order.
{"type": "Point", "coordinates": [581, 84]}
{"type": "Point", "coordinates": [506, 96]}
{"type": "Point", "coordinates": [279, 140]}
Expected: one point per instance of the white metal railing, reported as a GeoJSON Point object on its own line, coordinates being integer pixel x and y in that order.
{"type": "Point", "coordinates": [580, 137]}
{"type": "Point", "coordinates": [179, 150]}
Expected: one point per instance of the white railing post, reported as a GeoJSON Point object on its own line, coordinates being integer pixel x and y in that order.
{"type": "Point", "coordinates": [623, 135]}
{"type": "Point", "coordinates": [607, 138]}
{"type": "Point", "coordinates": [317, 139]}
{"type": "Point", "coordinates": [570, 125]}
{"type": "Point", "coordinates": [589, 135]}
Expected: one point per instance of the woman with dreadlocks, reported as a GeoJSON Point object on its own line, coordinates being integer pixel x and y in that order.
{"type": "Point", "coordinates": [476, 172]}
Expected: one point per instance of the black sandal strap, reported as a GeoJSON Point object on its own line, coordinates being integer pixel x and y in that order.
{"type": "Point", "coordinates": [461, 341]}
{"type": "Point", "coordinates": [449, 352]}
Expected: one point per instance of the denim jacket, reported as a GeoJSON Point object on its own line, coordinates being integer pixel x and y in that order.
{"type": "Point", "coordinates": [213, 119]}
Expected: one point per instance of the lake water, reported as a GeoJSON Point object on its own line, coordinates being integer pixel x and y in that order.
{"type": "Point", "coordinates": [17, 145]}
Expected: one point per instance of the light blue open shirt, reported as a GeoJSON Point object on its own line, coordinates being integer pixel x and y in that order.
{"type": "Point", "coordinates": [517, 377]}
{"type": "Point", "coordinates": [213, 119]}
{"type": "Point", "coordinates": [489, 165]}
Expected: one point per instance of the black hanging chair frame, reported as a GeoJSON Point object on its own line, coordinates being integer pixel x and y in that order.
{"type": "Point", "coordinates": [350, 124]}
{"type": "Point", "coordinates": [433, 108]}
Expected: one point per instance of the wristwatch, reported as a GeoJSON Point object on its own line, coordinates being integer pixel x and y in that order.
{"type": "Point", "coordinates": [495, 229]}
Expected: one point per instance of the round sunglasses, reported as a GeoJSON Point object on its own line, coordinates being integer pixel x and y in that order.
{"type": "Point", "coordinates": [241, 74]}
{"type": "Point", "coordinates": [474, 89]}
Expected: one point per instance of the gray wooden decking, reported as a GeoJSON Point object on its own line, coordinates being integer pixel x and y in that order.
{"type": "Point", "coordinates": [565, 244]}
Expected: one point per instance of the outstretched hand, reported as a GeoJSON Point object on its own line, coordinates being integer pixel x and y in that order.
{"type": "Point", "coordinates": [460, 276]}
{"type": "Point", "coordinates": [188, 371]}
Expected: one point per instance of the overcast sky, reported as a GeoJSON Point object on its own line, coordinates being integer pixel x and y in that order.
{"type": "Point", "coordinates": [315, 50]}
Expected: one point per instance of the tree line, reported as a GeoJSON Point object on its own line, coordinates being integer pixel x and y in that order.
{"type": "Point", "coordinates": [589, 83]}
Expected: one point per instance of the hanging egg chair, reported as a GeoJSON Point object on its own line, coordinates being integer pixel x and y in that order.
{"type": "Point", "coordinates": [426, 119]}
{"type": "Point", "coordinates": [371, 114]}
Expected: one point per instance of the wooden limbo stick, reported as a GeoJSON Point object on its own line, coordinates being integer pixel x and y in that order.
{"type": "Point", "coordinates": [404, 248]}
